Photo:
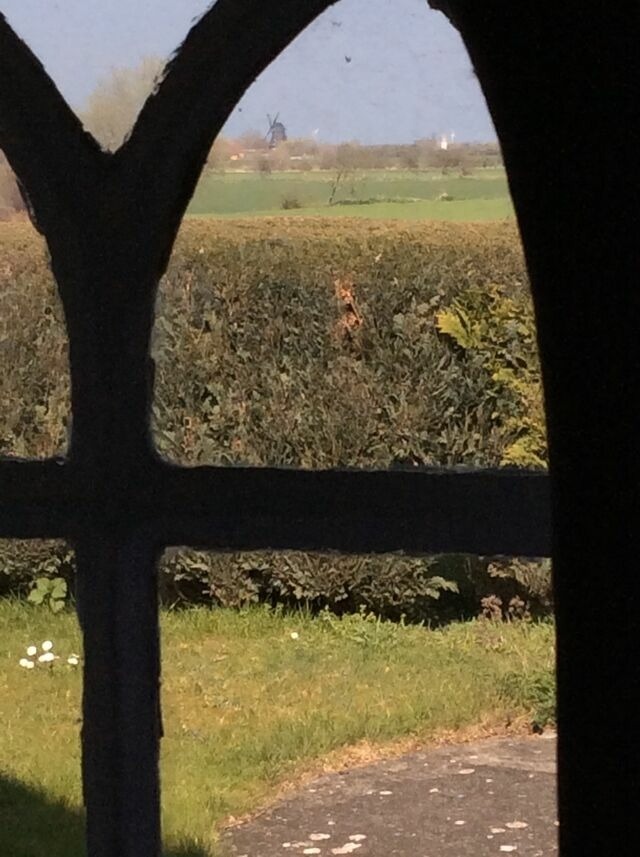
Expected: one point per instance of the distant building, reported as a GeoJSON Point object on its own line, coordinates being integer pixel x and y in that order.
{"type": "Point", "coordinates": [445, 141]}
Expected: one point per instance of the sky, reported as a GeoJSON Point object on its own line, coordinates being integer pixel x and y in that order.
{"type": "Point", "coordinates": [409, 74]}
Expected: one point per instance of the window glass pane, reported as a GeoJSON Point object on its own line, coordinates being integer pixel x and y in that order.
{"type": "Point", "coordinates": [349, 288]}
{"type": "Point", "coordinates": [34, 381]}
{"type": "Point", "coordinates": [268, 690]}
{"type": "Point", "coordinates": [40, 677]}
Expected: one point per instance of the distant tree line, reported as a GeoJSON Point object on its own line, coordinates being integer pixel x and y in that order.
{"type": "Point", "coordinates": [251, 152]}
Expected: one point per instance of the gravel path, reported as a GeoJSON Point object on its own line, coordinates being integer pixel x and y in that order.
{"type": "Point", "coordinates": [494, 797]}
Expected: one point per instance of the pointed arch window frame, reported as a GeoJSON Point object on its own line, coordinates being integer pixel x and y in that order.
{"type": "Point", "coordinates": [120, 504]}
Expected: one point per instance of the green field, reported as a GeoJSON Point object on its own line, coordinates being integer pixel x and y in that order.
{"type": "Point", "coordinates": [252, 700]}
{"type": "Point", "coordinates": [380, 194]}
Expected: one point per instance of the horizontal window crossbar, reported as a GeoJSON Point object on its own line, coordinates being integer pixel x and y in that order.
{"type": "Point", "coordinates": [420, 511]}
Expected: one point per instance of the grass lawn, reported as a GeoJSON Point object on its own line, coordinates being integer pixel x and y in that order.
{"type": "Point", "coordinates": [389, 194]}
{"type": "Point", "coordinates": [463, 211]}
{"type": "Point", "coordinates": [249, 709]}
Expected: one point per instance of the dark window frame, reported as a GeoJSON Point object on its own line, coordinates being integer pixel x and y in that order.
{"type": "Point", "coordinates": [555, 76]}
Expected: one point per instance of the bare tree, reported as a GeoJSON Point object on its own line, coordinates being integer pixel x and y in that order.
{"type": "Point", "coordinates": [112, 109]}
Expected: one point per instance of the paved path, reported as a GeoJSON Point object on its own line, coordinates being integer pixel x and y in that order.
{"type": "Point", "coordinates": [494, 797]}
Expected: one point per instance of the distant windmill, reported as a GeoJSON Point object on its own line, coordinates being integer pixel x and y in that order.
{"type": "Point", "coordinates": [277, 133]}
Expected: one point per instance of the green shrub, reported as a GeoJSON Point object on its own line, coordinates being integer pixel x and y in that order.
{"type": "Point", "coordinates": [34, 382]}
{"type": "Point", "coordinates": [22, 563]}
{"type": "Point", "coordinates": [391, 586]}
{"type": "Point", "coordinates": [516, 587]}
{"type": "Point", "coordinates": [50, 591]}
{"type": "Point", "coordinates": [489, 325]}
{"type": "Point", "coordinates": [312, 344]}
{"type": "Point", "coordinates": [435, 589]}
{"type": "Point", "coordinates": [290, 202]}
{"type": "Point", "coordinates": [253, 365]}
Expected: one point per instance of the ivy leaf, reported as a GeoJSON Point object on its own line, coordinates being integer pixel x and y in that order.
{"type": "Point", "coordinates": [457, 324]}
{"type": "Point", "coordinates": [58, 589]}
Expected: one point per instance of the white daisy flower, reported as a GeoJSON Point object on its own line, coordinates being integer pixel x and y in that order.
{"type": "Point", "coordinates": [32, 651]}
{"type": "Point", "coordinates": [26, 663]}
{"type": "Point", "coordinates": [73, 660]}
{"type": "Point", "coordinates": [295, 635]}
{"type": "Point", "coordinates": [47, 646]}
{"type": "Point", "coordinates": [47, 658]}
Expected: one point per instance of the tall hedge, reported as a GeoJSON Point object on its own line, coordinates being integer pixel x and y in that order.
{"type": "Point", "coordinates": [314, 344]}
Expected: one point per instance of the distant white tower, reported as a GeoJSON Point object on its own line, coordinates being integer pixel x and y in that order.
{"type": "Point", "coordinates": [446, 141]}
